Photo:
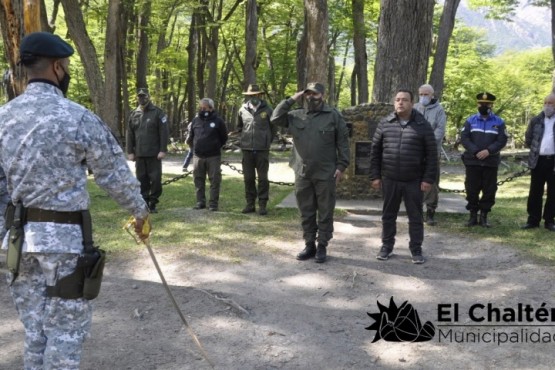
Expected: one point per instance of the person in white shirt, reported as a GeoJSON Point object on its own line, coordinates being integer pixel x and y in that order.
{"type": "Point", "coordinates": [541, 160]}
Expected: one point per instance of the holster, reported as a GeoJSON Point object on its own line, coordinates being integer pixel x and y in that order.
{"type": "Point", "coordinates": [85, 281]}
{"type": "Point", "coordinates": [15, 220]}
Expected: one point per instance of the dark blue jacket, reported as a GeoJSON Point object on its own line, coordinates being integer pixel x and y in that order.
{"type": "Point", "coordinates": [207, 135]}
{"type": "Point", "coordinates": [479, 134]}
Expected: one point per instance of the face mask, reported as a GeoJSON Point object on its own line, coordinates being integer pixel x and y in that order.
{"type": "Point", "coordinates": [425, 100]}
{"type": "Point", "coordinates": [203, 114]}
{"type": "Point", "coordinates": [548, 110]}
{"type": "Point", "coordinates": [313, 104]}
{"type": "Point", "coordinates": [484, 110]}
{"type": "Point", "coordinates": [255, 101]}
{"type": "Point", "coordinates": [63, 84]}
{"type": "Point", "coordinates": [143, 100]}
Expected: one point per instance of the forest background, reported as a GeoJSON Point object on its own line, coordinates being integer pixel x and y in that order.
{"type": "Point", "coordinates": [363, 50]}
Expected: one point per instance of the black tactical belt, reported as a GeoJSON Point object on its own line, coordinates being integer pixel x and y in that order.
{"type": "Point", "coordinates": [43, 215]}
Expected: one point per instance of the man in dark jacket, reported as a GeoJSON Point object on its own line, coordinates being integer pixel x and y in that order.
{"type": "Point", "coordinates": [257, 133]}
{"type": "Point", "coordinates": [403, 164]}
{"type": "Point", "coordinates": [320, 156]}
{"type": "Point", "coordinates": [207, 136]}
{"type": "Point", "coordinates": [483, 137]}
{"type": "Point", "coordinates": [541, 159]}
{"type": "Point", "coordinates": [147, 144]}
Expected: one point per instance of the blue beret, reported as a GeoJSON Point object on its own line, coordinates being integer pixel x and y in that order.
{"type": "Point", "coordinates": [44, 44]}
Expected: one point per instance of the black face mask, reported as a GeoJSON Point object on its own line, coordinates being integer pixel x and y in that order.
{"type": "Point", "coordinates": [313, 104]}
{"type": "Point", "coordinates": [484, 110]}
{"type": "Point", "coordinates": [63, 84]}
{"type": "Point", "coordinates": [203, 114]}
{"type": "Point", "coordinates": [143, 100]}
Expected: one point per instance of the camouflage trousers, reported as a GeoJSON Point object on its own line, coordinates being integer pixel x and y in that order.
{"type": "Point", "coordinates": [55, 328]}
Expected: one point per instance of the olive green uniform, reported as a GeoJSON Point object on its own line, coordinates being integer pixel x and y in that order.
{"type": "Point", "coordinates": [321, 146]}
{"type": "Point", "coordinates": [147, 135]}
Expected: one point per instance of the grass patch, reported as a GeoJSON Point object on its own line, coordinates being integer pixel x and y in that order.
{"type": "Point", "coordinates": [227, 234]}
{"type": "Point", "coordinates": [507, 216]}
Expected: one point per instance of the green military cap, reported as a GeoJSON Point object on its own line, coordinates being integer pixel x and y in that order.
{"type": "Point", "coordinates": [316, 87]}
{"type": "Point", "coordinates": [142, 91]}
{"type": "Point", "coordinates": [485, 97]}
{"type": "Point", "coordinates": [43, 44]}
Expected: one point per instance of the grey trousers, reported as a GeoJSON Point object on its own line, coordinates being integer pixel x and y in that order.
{"type": "Point", "coordinates": [210, 166]}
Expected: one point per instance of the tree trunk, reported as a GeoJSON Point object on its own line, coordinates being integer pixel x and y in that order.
{"type": "Point", "coordinates": [317, 40]}
{"type": "Point", "coordinates": [142, 55]}
{"type": "Point", "coordinates": [251, 38]}
{"type": "Point", "coordinates": [301, 57]}
{"type": "Point", "coordinates": [361, 57]}
{"type": "Point", "coordinates": [87, 52]}
{"type": "Point", "coordinates": [192, 50]}
{"type": "Point", "coordinates": [12, 12]}
{"type": "Point", "coordinates": [112, 69]}
{"type": "Point", "coordinates": [404, 44]}
{"type": "Point", "coordinates": [446, 25]}
{"type": "Point", "coordinates": [553, 37]}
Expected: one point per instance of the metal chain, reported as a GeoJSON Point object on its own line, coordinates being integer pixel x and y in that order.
{"type": "Point", "coordinates": [177, 178]}
{"type": "Point", "coordinates": [271, 182]}
{"type": "Point", "coordinates": [499, 183]}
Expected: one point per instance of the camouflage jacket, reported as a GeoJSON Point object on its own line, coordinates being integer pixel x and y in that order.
{"type": "Point", "coordinates": [46, 144]}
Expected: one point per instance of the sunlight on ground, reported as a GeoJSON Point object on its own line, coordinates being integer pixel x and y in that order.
{"type": "Point", "coordinates": [398, 355]}
{"type": "Point", "coordinates": [217, 276]}
{"type": "Point", "coordinates": [310, 281]}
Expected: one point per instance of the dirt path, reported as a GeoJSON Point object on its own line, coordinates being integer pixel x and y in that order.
{"type": "Point", "coordinates": [302, 315]}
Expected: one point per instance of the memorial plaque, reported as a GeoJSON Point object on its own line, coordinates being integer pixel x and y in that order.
{"type": "Point", "coordinates": [362, 158]}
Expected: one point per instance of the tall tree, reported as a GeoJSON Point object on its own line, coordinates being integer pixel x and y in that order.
{"type": "Point", "coordinates": [360, 72]}
{"type": "Point", "coordinates": [446, 25]}
{"type": "Point", "coordinates": [17, 18]}
{"type": "Point", "coordinates": [142, 36]}
{"type": "Point", "coordinates": [317, 51]}
{"type": "Point", "coordinates": [251, 38]}
{"type": "Point", "coordinates": [404, 45]}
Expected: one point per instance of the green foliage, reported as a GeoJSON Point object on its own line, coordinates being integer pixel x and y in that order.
{"type": "Point", "coordinates": [468, 72]}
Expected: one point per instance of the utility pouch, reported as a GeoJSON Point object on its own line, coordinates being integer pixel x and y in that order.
{"type": "Point", "coordinates": [85, 281]}
{"type": "Point", "coordinates": [15, 218]}
{"type": "Point", "coordinates": [93, 275]}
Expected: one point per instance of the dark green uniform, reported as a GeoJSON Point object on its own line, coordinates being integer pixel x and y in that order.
{"type": "Point", "coordinates": [147, 135]}
{"type": "Point", "coordinates": [257, 134]}
{"type": "Point", "coordinates": [321, 146]}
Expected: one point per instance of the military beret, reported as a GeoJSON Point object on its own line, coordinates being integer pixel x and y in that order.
{"type": "Point", "coordinates": [315, 87]}
{"type": "Point", "coordinates": [142, 91]}
{"type": "Point", "coordinates": [44, 44]}
{"type": "Point", "coordinates": [485, 97]}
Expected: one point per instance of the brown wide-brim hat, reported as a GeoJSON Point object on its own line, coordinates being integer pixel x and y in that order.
{"type": "Point", "coordinates": [253, 90]}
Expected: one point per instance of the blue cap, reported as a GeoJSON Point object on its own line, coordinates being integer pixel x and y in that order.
{"type": "Point", "coordinates": [44, 44]}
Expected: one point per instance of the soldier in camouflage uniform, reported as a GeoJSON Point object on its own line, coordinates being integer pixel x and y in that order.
{"type": "Point", "coordinates": [147, 145]}
{"type": "Point", "coordinates": [46, 144]}
{"type": "Point", "coordinates": [320, 156]}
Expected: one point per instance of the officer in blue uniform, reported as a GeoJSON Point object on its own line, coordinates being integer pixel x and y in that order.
{"type": "Point", "coordinates": [483, 136]}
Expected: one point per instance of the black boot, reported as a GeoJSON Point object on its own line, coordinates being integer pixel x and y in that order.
{"type": "Point", "coordinates": [262, 211]}
{"type": "Point", "coordinates": [309, 251]}
{"type": "Point", "coordinates": [484, 219]}
{"type": "Point", "coordinates": [249, 208]}
{"type": "Point", "coordinates": [321, 253]}
{"type": "Point", "coordinates": [430, 213]}
{"type": "Point", "coordinates": [473, 220]}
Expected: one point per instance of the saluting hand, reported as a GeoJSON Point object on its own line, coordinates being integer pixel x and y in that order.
{"type": "Point", "coordinates": [297, 95]}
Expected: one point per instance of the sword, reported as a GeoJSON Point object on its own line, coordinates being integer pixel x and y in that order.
{"type": "Point", "coordinates": [129, 226]}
